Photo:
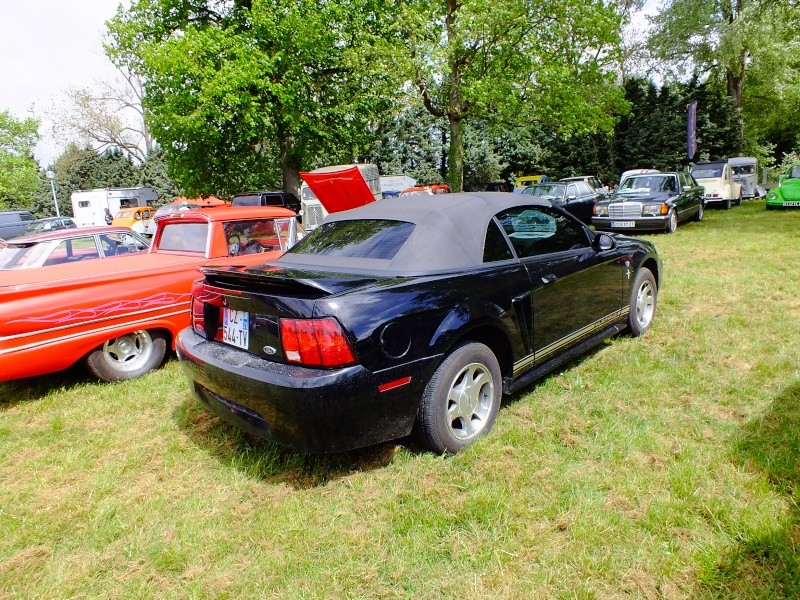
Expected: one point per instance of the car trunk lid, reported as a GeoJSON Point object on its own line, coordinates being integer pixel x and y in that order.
{"type": "Point", "coordinates": [242, 307]}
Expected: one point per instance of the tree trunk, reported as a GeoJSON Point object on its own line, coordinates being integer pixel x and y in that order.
{"type": "Point", "coordinates": [455, 174]}
{"type": "Point", "coordinates": [289, 163]}
{"type": "Point", "coordinates": [455, 108]}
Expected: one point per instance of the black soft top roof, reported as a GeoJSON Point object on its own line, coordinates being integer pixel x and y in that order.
{"type": "Point", "coordinates": [448, 235]}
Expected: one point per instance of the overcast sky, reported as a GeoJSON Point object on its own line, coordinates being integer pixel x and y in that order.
{"type": "Point", "coordinates": [47, 47]}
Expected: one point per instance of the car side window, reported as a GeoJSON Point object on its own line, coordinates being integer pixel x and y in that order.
{"type": "Point", "coordinates": [583, 188]}
{"type": "Point", "coordinates": [495, 248]}
{"type": "Point", "coordinates": [75, 249]}
{"type": "Point", "coordinates": [572, 191]}
{"type": "Point", "coordinates": [537, 230]}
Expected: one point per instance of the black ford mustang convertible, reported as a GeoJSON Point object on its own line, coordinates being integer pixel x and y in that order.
{"type": "Point", "coordinates": [410, 315]}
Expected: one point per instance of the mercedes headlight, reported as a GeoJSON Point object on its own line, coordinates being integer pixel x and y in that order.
{"type": "Point", "coordinates": [601, 210]}
{"type": "Point", "coordinates": [653, 210]}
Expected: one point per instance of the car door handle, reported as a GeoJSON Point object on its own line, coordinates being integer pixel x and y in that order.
{"type": "Point", "coordinates": [549, 278]}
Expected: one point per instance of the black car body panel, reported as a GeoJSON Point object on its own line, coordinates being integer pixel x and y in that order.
{"type": "Point", "coordinates": [402, 317]}
{"type": "Point", "coordinates": [273, 198]}
{"type": "Point", "coordinates": [645, 201]}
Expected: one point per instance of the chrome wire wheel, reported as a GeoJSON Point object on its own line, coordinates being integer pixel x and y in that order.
{"type": "Point", "coordinates": [470, 401]}
{"type": "Point", "coordinates": [645, 304]}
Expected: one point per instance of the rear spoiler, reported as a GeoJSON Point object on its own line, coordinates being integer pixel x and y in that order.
{"type": "Point", "coordinates": [271, 279]}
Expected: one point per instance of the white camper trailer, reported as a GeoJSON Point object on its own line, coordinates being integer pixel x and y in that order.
{"type": "Point", "coordinates": [88, 207]}
{"type": "Point", "coordinates": [311, 208]}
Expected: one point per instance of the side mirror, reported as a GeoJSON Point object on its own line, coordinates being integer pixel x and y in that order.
{"type": "Point", "coordinates": [603, 242]}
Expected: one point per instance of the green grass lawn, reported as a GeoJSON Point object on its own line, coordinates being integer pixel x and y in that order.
{"type": "Point", "coordinates": [658, 467]}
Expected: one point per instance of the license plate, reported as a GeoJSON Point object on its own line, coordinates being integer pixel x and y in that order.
{"type": "Point", "coordinates": [235, 328]}
{"type": "Point", "coordinates": [791, 203]}
{"type": "Point", "coordinates": [623, 223]}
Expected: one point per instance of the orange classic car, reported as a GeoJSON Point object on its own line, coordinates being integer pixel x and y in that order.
{"type": "Point", "coordinates": [119, 316]}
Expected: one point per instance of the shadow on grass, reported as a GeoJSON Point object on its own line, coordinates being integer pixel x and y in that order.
{"type": "Point", "coordinates": [36, 388]}
{"type": "Point", "coordinates": [766, 564]}
{"type": "Point", "coordinates": [266, 461]}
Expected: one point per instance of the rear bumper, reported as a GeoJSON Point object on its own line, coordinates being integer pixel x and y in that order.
{"type": "Point", "coordinates": [314, 410]}
{"type": "Point", "coordinates": [639, 224]}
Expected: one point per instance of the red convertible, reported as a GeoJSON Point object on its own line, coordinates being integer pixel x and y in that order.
{"type": "Point", "coordinates": [118, 316]}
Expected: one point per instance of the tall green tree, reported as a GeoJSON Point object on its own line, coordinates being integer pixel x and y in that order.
{"type": "Point", "coordinates": [512, 61]}
{"type": "Point", "coordinates": [19, 173]}
{"type": "Point", "coordinates": [750, 46]}
{"type": "Point", "coordinates": [233, 89]}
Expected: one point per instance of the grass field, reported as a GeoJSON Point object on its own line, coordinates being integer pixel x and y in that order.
{"type": "Point", "coordinates": [658, 467]}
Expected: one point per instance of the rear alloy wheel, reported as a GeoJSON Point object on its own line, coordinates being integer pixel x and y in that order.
{"type": "Point", "coordinates": [461, 400]}
{"type": "Point", "coordinates": [643, 301]}
{"type": "Point", "coordinates": [672, 221]}
{"type": "Point", "coordinates": [128, 356]}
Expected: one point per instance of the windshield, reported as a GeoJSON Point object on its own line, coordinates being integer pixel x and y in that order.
{"type": "Point", "coordinates": [794, 172]}
{"type": "Point", "coordinates": [547, 191]}
{"type": "Point", "coordinates": [184, 237]}
{"type": "Point", "coordinates": [744, 170]}
{"type": "Point", "coordinates": [707, 171]}
{"type": "Point", "coordinates": [641, 184]}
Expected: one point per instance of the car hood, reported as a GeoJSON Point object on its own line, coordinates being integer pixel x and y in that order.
{"type": "Point", "coordinates": [339, 190]}
{"type": "Point", "coordinates": [790, 189]}
{"type": "Point", "coordinates": [640, 197]}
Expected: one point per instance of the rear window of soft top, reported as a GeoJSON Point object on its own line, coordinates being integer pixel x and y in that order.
{"type": "Point", "coordinates": [364, 238]}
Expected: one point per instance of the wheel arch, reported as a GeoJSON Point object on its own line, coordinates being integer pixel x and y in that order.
{"type": "Point", "coordinates": [490, 333]}
{"type": "Point", "coordinates": [652, 264]}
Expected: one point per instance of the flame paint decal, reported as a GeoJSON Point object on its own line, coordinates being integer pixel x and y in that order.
{"type": "Point", "coordinates": [115, 308]}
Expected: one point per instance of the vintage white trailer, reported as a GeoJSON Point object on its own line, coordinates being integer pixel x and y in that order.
{"type": "Point", "coordinates": [88, 206]}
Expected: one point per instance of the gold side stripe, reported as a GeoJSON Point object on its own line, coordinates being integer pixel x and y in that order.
{"type": "Point", "coordinates": [543, 354]}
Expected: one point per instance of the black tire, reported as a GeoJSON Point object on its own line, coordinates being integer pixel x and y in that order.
{"type": "Point", "coordinates": [128, 356]}
{"type": "Point", "coordinates": [672, 221]}
{"type": "Point", "coordinates": [726, 204]}
{"type": "Point", "coordinates": [643, 302]}
{"type": "Point", "coordinates": [700, 212]}
{"type": "Point", "coordinates": [738, 201]}
{"type": "Point", "coordinates": [461, 400]}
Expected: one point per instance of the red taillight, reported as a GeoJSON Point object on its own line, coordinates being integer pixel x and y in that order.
{"type": "Point", "coordinates": [315, 343]}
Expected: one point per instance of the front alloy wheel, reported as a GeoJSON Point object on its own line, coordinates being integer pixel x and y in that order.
{"type": "Point", "coordinates": [642, 306]}
{"type": "Point", "coordinates": [461, 400]}
{"type": "Point", "coordinates": [672, 221]}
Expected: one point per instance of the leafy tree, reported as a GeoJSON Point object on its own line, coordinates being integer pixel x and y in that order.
{"type": "Point", "coordinates": [19, 173]}
{"type": "Point", "coordinates": [234, 89]}
{"type": "Point", "coordinates": [408, 140]}
{"type": "Point", "coordinates": [746, 45]}
{"type": "Point", "coordinates": [513, 61]}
